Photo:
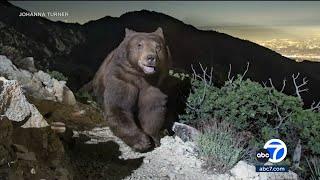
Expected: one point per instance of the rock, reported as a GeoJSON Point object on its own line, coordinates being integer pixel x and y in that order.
{"type": "Point", "coordinates": [243, 170]}
{"type": "Point", "coordinates": [68, 97]}
{"type": "Point", "coordinates": [185, 132]}
{"type": "Point", "coordinates": [28, 156]}
{"type": "Point", "coordinates": [33, 171]}
{"type": "Point", "coordinates": [20, 148]}
{"type": "Point", "coordinates": [79, 113]}
{"type": "Point", "coordinates": [26, 63]}
{"type": "Point", "coordinates": [39, 84]}
{"type": "Point", "coordinates": [57, 88]}
{"type": "Point", "coordinates": [146, 161]}
{"type": "Point", "coordinates": [58, 127]}
{"type": "Point", "coordinates": [58, 124]}
{"type": "Point", "coordinates": [15, 106]}
{"type": "Point", "coordinates": [7, 69]}
{"type": "Point", "coordinates": [44, 78]}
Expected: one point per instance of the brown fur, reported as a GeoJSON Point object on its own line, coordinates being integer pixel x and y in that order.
{"type": "Point", "coordinates": [127, 85]}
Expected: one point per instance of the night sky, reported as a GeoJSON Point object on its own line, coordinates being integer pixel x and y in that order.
{"type": "Point", "coordinates": [249, 20]}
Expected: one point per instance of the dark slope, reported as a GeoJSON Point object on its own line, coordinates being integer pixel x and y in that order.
{"type": "Point", "coordinates": [38, 37]}
{"type": "Point", "coordinates": [86, 46]}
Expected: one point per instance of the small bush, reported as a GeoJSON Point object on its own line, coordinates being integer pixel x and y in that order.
{"type": "Point", "coordinates": [57, 75]}
{"type": "Point", "coordinates": [84, 96]}
{"type": "Point", "coordinates": [220, 146]}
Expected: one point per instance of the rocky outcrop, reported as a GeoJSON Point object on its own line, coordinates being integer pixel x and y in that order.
{"type": "Point", "coordinates": [15, 107]}
{"type": "Point", "coordinates": [39, 85]}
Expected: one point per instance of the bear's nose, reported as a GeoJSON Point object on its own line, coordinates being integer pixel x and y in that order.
{"type": "Point", "coordinates": [151, 58]}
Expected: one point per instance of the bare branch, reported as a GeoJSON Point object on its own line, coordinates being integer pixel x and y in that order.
{"type": "Point", "coordinates": [283, 85]}
{"type": "Point", "coordinates": [299, 87]}
{"type": "Point", "coordinates": [189, 106]}
{"type": "Point", "coordinates": [270, 81]}
{"type": "Point", "coordinates": [271, 84]}
{"type": "Point", "coordinates": [195, 73]}
{"type": "Point", "coordinates": [229, 74]}
{"type": "Point", "coordinates": [207, 81]}
{"type": "Point", "coordinates": [281, 119]}
{"type": "Point", "coordinates": [204, 71]}
{"type": "Point", "coordinates": [245, 72]}
{"type": "Point", "coordinates": [264, 84]}
{"type": "Point", "coordinates": [315, 107]}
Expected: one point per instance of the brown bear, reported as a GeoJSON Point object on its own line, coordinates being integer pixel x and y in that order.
{"type": "Point", "coordinates": [127, 85]}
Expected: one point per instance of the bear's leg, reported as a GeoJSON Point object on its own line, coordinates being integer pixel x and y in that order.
{"type": "Point", "coordinates": [152, 112]}
{"type": "Point", "coordinates": [123, 125]}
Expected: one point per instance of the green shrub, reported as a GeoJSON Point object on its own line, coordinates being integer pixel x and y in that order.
{"type": "Point", "coordinates": [220, 146]}
{"type": "Point", "coordinates": [84, 96]}
{"type": "Point", "coordinates": [57, 75]}
{"type": "Point", "coordinates": [263, 111]}
{"type": "Point", "coordinates": [178, 74]}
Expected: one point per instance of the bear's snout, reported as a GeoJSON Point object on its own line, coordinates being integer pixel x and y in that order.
{"type": "Point", "coordinates": [151, 59]}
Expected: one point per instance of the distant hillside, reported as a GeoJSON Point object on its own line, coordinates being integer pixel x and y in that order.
{"type": "Point", "coordinates": [77, 50]}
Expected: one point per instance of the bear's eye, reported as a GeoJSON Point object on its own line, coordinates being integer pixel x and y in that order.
{"type": "Point", "coordinates": [158, 47]}
{"type": "Point", "coordinates": [140, 45]}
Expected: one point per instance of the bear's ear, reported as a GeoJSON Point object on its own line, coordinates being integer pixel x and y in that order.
{"type": "Point", "coordinates": [159, 32]}
{"type": "Point", "coordinates": [129, 32]}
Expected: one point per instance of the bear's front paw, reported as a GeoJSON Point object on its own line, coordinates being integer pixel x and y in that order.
{"type": "Point", "coordinates": [142, 143]}
{"type": "Point", "coordinates": [156, 140]}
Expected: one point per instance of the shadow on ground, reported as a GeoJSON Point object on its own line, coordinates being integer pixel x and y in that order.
{"type": "Point", "coordinates": [99, 161]}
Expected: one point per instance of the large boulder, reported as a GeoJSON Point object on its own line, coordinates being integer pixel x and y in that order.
{"type": "Point", "coordinates": [15, 106]}
{"type": "Point", "coordinates": [39, 85]}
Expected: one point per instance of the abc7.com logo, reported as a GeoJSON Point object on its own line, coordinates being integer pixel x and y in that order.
{"type": "Point", "coordinates": [273, 151]}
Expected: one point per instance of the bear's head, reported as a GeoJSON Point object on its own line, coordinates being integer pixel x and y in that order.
{"type": "Point", "coordinates": [147, 51]}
